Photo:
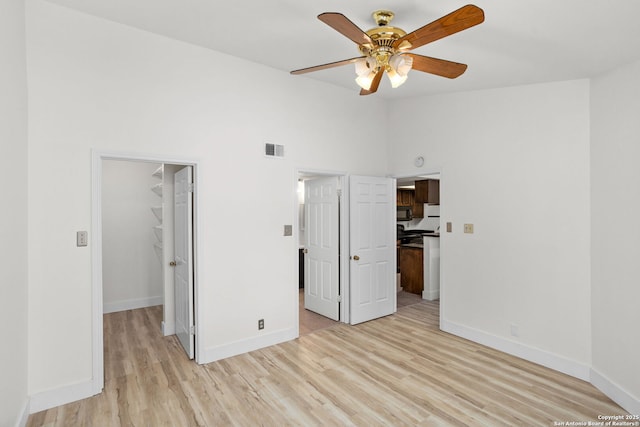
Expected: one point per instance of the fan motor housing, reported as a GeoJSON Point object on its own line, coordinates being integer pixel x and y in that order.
{"type": "Point", "coordinates": [383, 36]}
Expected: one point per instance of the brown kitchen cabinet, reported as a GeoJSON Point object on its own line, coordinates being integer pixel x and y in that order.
{"type": "Point", "coordinates": [412, 269]}
{"type": "Point", "coordinates": [433, 197]}
{"type": "Point", "coordinates": [405, 197]}
{"type": "Point", "coordinates": [428, 191]}
{"type": "Point", "coordinates": [418, 209]}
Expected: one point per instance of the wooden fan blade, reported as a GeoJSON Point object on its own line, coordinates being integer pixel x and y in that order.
{"type": "Point", "coordinates": [461, 19]}
{"type": "Point", "coordinates": [325, 66]}
{"type": "Point", "coordinates": [374, 83]}
{"type": "Point", "coordinates": [439, 67]}
{"type": "Point", "coordinates": [344, 26]}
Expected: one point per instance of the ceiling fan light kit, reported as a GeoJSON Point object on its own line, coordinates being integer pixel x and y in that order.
{"type": "Point", "coordinates": [366, 69]}
{"type": "Point", "coordinates": [398, 69]}
{"type": "Point", "coordinates": [385, 48]}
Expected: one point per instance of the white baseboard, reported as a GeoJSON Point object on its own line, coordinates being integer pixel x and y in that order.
{"type": "Point", "coordinates": [616, 393]}
{"type": "Point", "coordinates": [60, 396]}
{"type": "Point", "coordinates": [23, 415]}
{"type": "Point", "coordinates": [212, 354]}
{"type": "Point", "coordinates": [131, 304]}
{"type": "Point", "coordinates": [431, 295]}
{"type": "Point", "coordinates": [532, 354]}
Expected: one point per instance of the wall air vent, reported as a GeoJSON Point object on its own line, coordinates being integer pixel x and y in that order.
{"type": "Point", "coordinates": [273, 150]}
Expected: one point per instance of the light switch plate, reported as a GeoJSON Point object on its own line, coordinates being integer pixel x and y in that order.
{"type": "Point", "coordinates": [82, 238]}
{"type": "Point", "coordinates": [288, 230]}
{"type": "Point", "coordinates": [468, 228]}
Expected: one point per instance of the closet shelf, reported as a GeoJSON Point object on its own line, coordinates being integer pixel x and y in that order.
{"type": "Point", "coordinates": [157, 189]}
{"type": "Point", "coordinates": [157, 247]}
{"type": "Point", "coordinates": [158, 173]}
{"type": "Point", "coordinates": [157, 211]}
{"type": "Point", "coordinates": [157, 230]}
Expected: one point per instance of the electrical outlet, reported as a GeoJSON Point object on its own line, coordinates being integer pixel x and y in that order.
{"type": "Point", "coordinates": [515, 332]}
{"type": "Point", "coordinates": [468, 228]}
{"type": "Point", "coordinates": [260, 324]}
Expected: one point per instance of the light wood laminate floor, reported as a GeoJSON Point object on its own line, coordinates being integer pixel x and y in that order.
{"type": "Point", "coordinates": [400, 370]}
{"type": "Point", "coordinates": [311, 322]}
{"type": "Point", "coordinates": [308, 320]}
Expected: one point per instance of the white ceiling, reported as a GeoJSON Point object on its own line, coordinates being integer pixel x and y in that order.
{"type": "Point", "coordinates": [520, 42]}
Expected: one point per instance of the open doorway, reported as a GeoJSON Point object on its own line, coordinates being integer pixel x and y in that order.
{"type": "Point", "coordinates": [132, 236]}
{"type": "Point", "coordinates": [134, 253]}
{"type": "Point", "coordinates": [366, 242]}
{"type": "Point", "coordinates": [418, 230]}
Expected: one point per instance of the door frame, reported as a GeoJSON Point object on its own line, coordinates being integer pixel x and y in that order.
{"type": "Point", "coordinates": [97, 338]}
{"type": "Point", "coordinates": [344, 238]}
{"type": "Point", "coordinates": [433, 171]}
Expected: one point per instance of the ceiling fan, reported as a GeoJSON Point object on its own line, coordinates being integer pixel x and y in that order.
{"type": "Point", "coordinates": [385, 48]}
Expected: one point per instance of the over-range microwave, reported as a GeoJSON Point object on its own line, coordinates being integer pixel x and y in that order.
{"type": "Point", "coordinates": [404, 213]}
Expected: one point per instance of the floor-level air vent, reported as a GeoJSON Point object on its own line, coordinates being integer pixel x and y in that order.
{"type": "Point", "coordinates": [273, 150]}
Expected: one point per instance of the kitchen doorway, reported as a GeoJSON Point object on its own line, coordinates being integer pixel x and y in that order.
{"type": "Point", "coordinates": [366, 205]}
{"type": "Point", "coordinates": [419, 237]}
{"type": "Point", "coordinates": [162, 231]}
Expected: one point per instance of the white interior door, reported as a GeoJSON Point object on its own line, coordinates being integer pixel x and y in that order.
{"type": "Point", "coordinates": [183, 241]}
{"type": "Point", "coordinates": [321, 272]}
{"type": "Point", "coordinates": [373, 247]}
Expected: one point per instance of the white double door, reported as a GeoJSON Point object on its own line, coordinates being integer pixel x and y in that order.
{"type": "Point", "coordinates": [372, 259]}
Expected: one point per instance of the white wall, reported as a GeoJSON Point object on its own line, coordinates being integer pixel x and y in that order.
{"type": "Point", "coordinates": [131, 267]}
{"type": "Point", "coordinates": [515, 163]}
{"type": "Point", "coordinates": [97, 84]}
{"type": "Point", "coordinates": [13, 215]}
{"type": "Point", "coordinates": [615, 230]}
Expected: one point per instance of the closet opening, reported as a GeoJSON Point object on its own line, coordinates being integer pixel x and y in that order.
{"type": "Point", "coordinates": [144, 251]}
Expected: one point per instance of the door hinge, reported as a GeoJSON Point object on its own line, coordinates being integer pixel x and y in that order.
{"type": "Point", "coordinates": [339, 298]}
{"type": "Point", "coordinates": [191, 187]}
{"type": "Point", "coordinates": [192, 329]}
{"type": "Point", "coordinates": [339, 191]}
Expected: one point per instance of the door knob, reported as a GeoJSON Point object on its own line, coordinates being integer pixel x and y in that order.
{"type": "Point", "coordinates": [356, 257]}
{"type": "Point", "coordinates": [306, 251]}
{"type": "Point", "coordinates": [172, 263]}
